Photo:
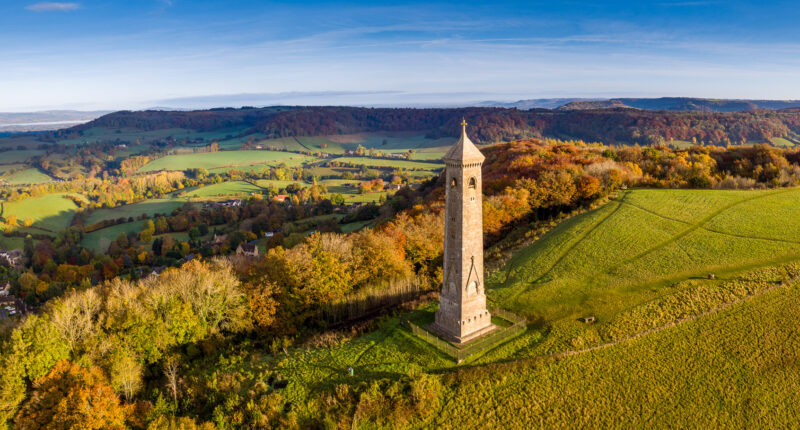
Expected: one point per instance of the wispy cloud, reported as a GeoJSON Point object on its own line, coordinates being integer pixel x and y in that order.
{"type": "Point", "coordinates": [52, 7]}
{"type": "Point", "coordinates": [689, 3]}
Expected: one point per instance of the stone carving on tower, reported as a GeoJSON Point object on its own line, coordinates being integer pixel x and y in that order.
{"type": "Point", "coordinates": [462, 314]}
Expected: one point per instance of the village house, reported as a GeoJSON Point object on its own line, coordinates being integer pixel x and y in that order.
{"type": "Point", "coordinates": [219, 239]}
{"type": "Point", "coordinates": [247, 249]}
{"type": "Point", "coordinates": [281, 197]}
{"type": "Point", "coordinates": [12, 258]}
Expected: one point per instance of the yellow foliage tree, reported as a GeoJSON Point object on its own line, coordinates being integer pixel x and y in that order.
{"type": "Point", "coordinates": [72, 397]}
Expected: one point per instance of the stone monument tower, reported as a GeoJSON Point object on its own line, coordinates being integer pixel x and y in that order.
{"type": "Point", "coordinates": [462, 314]}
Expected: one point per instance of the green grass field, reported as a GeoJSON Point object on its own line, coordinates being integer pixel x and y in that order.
{"type": "Point", "coordinates": [216, 160]}
{"type": "Point", "coordinates": [11, 242]}
{"type": "Point", "coordinates": [27, 176]}
{"type": "Point", "coordinates": [379, 162]}
{"type": "Point", "coordinates": [341, 186]}
{"type": "Point", "coordinates": [98, 241]}
{"type": "Point", "coordinates": [338, 144]}
{"type": "Point", "coordinates": [266, 183]}
{"type": "Point", "coordinates": [9, 157]}
{"type": "Point", "coordinates": [231, 188]}
{"type": "Point", "coordinates": [782, 142]}
{"type": "Point", "coordinates": [669, 344]}
{"type": "Point", "coordinates": [732, 369]}
{"type": "Point", "coordinates": [50, 212]}
{"type": "Point", "coordinates": [4, 168]}
{"type": "Point", "coordinates": [149, 207]}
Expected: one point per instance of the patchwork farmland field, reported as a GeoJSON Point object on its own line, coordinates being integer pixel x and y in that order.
{"type": "Point", "coordinates": [98, 241]}
{"type": "Point", "coordinates": [148, 207]}
{"type": "Point", "coordinates": [8, 157]}
{"type": "Point", "coordinates": [52, 212]}
{"type": "Point", "coordinates": [213, 160]}
{"type": "Point", "coordinates": [231, 188]}
{"type": "Point", "coordinates": [386, 142]}
{"type": "Point", "coordinates": [378, 162]}
{"type": "Point", "coordinates": [27, 176]}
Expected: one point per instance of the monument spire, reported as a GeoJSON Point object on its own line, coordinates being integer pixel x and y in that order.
{"type": "Point", "coordinates": [462, 314]}
{"type": "Point", "coordinates": [464, 150]}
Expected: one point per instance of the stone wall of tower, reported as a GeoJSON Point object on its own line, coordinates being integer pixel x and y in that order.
{"type": "Point", "coordinates": [462, 313]}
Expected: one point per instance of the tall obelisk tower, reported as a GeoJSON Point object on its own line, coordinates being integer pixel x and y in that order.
{"type": "Point", "coordinates": [462, 313]}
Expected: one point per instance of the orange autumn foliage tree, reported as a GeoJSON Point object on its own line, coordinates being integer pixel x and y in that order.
{"type": "Point", "coordinates": [72, 397]}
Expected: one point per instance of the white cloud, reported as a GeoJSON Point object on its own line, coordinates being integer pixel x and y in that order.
{"type": "Point", "coordinates": [52, 7]}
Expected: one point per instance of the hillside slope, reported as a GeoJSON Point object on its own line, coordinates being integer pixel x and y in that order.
{"type": "Point", "coordinates": [669, 343]}
{"type": "Point", "coordinates": [626, 252]}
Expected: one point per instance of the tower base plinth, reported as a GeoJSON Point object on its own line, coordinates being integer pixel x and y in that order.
{"type": "Point", "coordinates": [463, 339]}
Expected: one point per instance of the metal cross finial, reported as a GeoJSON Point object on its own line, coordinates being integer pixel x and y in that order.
{"type": "Point", "coordinates": [463, 122]}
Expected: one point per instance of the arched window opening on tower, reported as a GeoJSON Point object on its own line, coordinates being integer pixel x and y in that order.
{"type": "Point", "coordinates": [453, 183]}
{"type": "Point", "coordinates": [472, 183]}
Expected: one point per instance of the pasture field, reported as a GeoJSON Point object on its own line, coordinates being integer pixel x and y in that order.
{"type": "Point", "coordinates": [52, 212]}
{"type": "Point", "coordinates": [11, 242]}
{"type": "Point", "coordinates": [433, 155]}
{"type": "Point", "coordinates": [18, 156]}
{"type": "Point", "coordinates": [213, 160]}
{"type": "Point", "coordinates": [27, 176]}
{"type": "Point", "coordinates": [230, 188]}
{"type": "Point", "coordinates": [341, 185]}
{"type": "Point", "coordinates": [388, 163]}
{"type": "Point", "coordinates": [627, 251]}
{"type": "Point", "coordinates": [149, 207]}
{"type": "Point", "coordinates": [354, 226]}
{"type": "Point", "coordinates": [9, 167]}
{"type": "Point", "coordinates": [731, 369]}
{"type": "Point", "coordinates": [266, 183]}
{"type": "Point", "coordinates": [98, 241]}
{"type": "Point", "coordinates": [295, 161]}
{"type": "Point", "coordinates": [782, 142]}
{"type": "Point", "coordinates": [364, 198]}
{"type": "Point", "coordinates": [284, 143]}
{"type": "Point", "coordinates": [387, 142]}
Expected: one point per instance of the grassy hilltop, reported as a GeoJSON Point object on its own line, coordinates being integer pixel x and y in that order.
{"type": "Point", "coordinates": [669, 343]}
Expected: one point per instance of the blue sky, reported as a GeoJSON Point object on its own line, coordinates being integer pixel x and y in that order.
{"type": "Point", "coordinates": [107, 54]}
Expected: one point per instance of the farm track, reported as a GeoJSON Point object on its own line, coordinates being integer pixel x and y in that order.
{"type": "Point", "coordinates": [302, 144]}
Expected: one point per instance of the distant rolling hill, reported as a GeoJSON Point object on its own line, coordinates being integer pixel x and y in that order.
{"type": "Point", "coordinates": [689, 104]}
{"type": "Point", "coordinates": [615, 122]}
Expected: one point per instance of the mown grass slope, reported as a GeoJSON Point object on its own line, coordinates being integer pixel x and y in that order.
{"type": "Point", "coordinates": [670, 345]}
{"type": "Point", "coordinates": [736, 368]}
{"type": "Point", "coordinates": [627, 251]}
